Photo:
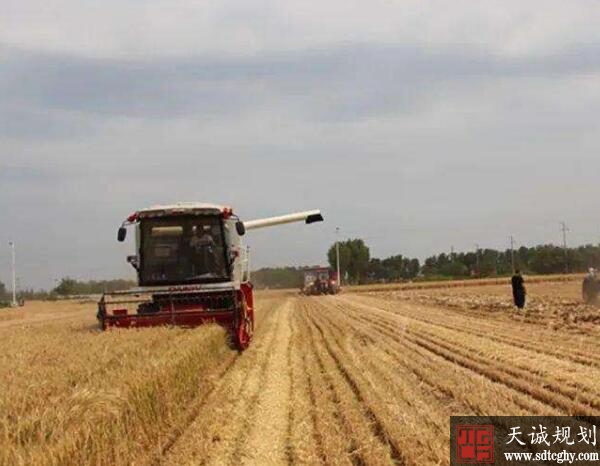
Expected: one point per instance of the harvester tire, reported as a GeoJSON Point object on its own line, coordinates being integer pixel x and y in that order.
{"type": "Point", "coordinates": [244, 327]}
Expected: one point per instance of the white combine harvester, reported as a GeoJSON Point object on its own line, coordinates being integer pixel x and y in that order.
{"type": "Point", "coordinates": [192, 268]}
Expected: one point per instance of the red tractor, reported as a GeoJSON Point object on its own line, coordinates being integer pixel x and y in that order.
{"type": "Point", "coordinates": [319, 280]}
{"type": "Point", "coordinates": [192, 268]}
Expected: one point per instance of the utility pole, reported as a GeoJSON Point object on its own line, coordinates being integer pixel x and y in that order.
{"type": "Point", "coordinates": [477, 257]}
{"type": "Point", "coordinates": [512, 252]}
{"type": "Point", "coordinates": [14, 274]}
{"type": "Point", "coordinates": [565, 229]}
{"type": "Point", "coordinates": [337, 255]}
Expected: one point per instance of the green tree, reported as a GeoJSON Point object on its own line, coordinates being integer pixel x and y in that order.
{"type": "Point", "coordinates": [414, 268]}
{"type": "Point", "coordinates": [548, 259]}
{"type": "Point", "coordinates": [376, 270]}
{"type": "Point", "coordinates": [67, 286]}
{"type": "Point", "coordinates": [430, 266]}
{"type": "Point", "coordinates": [354, 259]}
{"type": "Point", "coordinates": [454, 269]}
{"type": "Point", "coordinates": [393, 266]}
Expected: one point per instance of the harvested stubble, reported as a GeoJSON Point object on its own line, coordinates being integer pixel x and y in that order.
{"type": "Point", "coordinates": [555, 304]}
{"type": "Point", "coordinates": [411, 367]}
{"type": "Point", "coordinates": [461, 284]}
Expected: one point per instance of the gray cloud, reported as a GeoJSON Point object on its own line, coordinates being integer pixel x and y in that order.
{"type": "Point", "coordinates": [415, 147]}
{"type": "Point", "coordinates": [181, 28]}
{"type": "Point", "coordinates": [347, 82]}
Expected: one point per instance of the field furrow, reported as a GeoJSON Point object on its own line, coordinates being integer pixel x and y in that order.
{"type": "Point", "coordinates": [457, 388]}
{"type": "Point", "coordinates": [576, 348]}
{"type": "Point", "coordinates": [356, 420]}
{"type": "Point", "coordinates": [572, 390]}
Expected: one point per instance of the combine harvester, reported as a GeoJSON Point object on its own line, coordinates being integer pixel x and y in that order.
{"type": "Point", "coordinates": [319, 280]}
{"type": "Point", "coordinates": [192, 268]}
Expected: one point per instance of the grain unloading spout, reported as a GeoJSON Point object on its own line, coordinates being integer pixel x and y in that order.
{"type": "Point", "coordinates": [310, 216]}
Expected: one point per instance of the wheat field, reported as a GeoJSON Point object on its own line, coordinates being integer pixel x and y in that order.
{"type": "Point", "coordinates": [370, 376]}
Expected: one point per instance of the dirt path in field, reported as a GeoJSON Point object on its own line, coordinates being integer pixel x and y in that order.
{"type": "Point", "coordinates": [246, 419]}
{"type": "Point", "coordinates": [354, 380]}
{"type": "Point", "coordinates": [267, 436]}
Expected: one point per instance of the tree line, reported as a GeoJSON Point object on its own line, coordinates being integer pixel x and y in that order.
{"type": "Point", "coordinates": [67, 287]}
{"type": "Point", "coordinates": [27, 294]}
{"type": "Point", "coordinates": [542, 259]}
{"type": "Point", "coordinates": [359, 267]}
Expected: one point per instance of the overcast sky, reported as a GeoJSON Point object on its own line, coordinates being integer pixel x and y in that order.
{"type": "Point", "coordinates": [415, 125]}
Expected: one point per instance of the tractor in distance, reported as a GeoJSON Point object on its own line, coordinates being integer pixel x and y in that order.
{"type": "Point", "coordinates": [319, 280]}
{"type": "Point", "coordinates": [192, 268]}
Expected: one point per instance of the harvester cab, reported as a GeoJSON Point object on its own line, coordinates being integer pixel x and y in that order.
{"type": "Point", "coordinates": [192, 268]}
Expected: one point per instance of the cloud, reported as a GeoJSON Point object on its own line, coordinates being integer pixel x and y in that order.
{"type": "Point", "coordinates": [186, 27]}
{"type": "Point", "coordinates": [344, 83]}
{"type": "Point", "coordinates": [415, 126]}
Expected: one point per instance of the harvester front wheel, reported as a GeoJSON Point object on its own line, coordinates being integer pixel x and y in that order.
{"type": "Point", "coordinates": [244, 327]}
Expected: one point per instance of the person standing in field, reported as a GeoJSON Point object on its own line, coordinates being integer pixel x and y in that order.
{"type": "Point", "coordinates": [518, 289]}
